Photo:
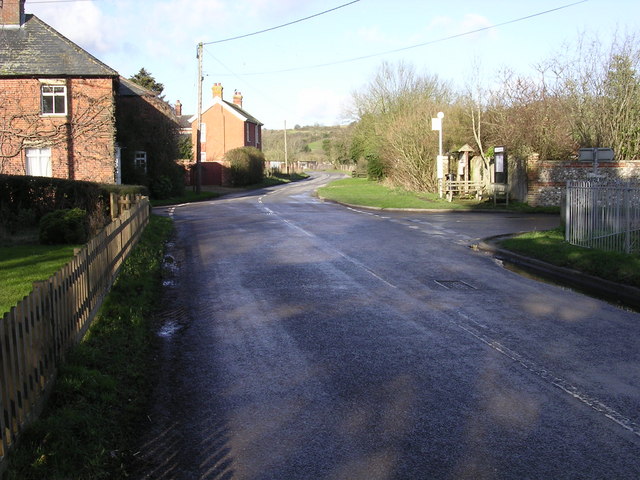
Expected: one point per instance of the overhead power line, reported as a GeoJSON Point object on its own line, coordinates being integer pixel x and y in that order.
{"type": "Point", "coordinates": [430, 42]}
{"type": "Point", "coordinates": [283, 25]}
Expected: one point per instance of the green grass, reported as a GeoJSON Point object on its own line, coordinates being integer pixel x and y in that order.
{"type": "Point", "coordinates": [361, 191]}
{"type": "Point", "coordinates": [364, 192]}
{"type": "Point", "coordinates": [92, 418]}
{"type": "Point", "coordinates": [280, 179]}
{"type": "Point", "coordinates": [22, 265]}
{"type": "Point", "coordinates": [188, 197]}
{"type": "Point", "coordinates": [315, 146]}
{"type": "Point", "coordinates": [550, 247]}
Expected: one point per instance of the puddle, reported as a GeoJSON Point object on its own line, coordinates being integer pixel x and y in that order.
{"type": "Point", "coordinates": [172, 316]}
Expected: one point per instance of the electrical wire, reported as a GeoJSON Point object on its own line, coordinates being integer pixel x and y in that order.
{"type": "Point", "coordinates": [281, 26]}
{"type": "Point", "coordinates": [431, 42]}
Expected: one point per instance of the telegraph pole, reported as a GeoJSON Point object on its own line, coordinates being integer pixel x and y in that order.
{"type": "Point", "coordinates": [199, 121]}
{"type": "Point", "coordinates": [286, 158]}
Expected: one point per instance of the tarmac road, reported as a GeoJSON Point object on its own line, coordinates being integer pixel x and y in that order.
{"type": "Point", "coordinates": [306, 340]}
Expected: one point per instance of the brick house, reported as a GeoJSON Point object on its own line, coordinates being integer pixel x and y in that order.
{"type": "Point", "coordinates": [225, 126]}
{"type": "Point", "coordinates": [147, 135]}
{"type": "Point", "coordinates": [57, 103]}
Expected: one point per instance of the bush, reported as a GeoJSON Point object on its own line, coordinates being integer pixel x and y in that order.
{"type": "Point", "coordinates": [375, 168]}
{"type": "Point", "coordinates": [161, 187]}
{"type": "Point", "coordinates": [246, 166]}
{"type": "Point", "coordinates": [64, 226]}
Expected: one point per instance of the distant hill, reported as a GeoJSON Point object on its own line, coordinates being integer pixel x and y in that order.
{"type": "Point", "coordinates": [308, 144]}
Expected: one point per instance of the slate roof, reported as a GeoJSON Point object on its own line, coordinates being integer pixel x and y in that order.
{"type": "Point", "coordinates": [36, 49]}
{"type": "Point", "coordinates": [128, 88]}
{"type": "Point", "coordinates": [248, 117]}
{"type": "Point", "coordinates": [244, 113]}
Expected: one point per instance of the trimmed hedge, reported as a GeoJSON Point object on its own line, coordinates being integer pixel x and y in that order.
{"type": "Point", "coordinates": [246, 166]}
{"type": "Point", "coordinates": [24, 200]}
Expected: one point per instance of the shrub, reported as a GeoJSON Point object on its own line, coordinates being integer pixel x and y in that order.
{"type": "Point", "coordinates": [64, 226]}
{"type": "Point", "coordinates": [246, 166]}
{"type": "Point", "coordinates": [161, 187]}
{"type": "Point", "coordinates": [375, 168]}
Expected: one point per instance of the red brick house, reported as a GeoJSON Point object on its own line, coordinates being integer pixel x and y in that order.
{"type": "Point", "coordinates": [57, 103]}
{"type": "Point", "coordinates": [225, 126]}
{"type": "Point", "coordinates": [147, 136]}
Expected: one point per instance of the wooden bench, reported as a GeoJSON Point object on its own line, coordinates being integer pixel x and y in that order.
{"type": "Point", "coordinates": [463, 188]}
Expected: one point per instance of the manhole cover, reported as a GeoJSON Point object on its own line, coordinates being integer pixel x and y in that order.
{"type": "Point", "coordinates": [455, 285]}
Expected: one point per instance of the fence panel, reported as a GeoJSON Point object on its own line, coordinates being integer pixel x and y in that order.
{"type": "Point", "coordinates": [603, 215]}
{"type": "Point", "coordinates": [36, 333]}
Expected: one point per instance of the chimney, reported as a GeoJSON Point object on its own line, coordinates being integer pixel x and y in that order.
{"type": "Point", "coordinates": [237, 98]}
{"type": "Point", "coordinates": [217, 90]}
{"type": "Point", "coordinates": [11, 12]}
{"type": "Point", "coordinates": [178, 108]}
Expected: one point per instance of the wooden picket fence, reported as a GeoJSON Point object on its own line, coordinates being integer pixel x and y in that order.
{"type": "Point", "coordinates": [38, 331]}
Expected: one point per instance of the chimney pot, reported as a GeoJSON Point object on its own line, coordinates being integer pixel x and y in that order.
{"type": "Point", "coordinates": [237, 98]}
{"type": "Point", "coordinates": [217, 90]}
{"type": "Point", "coordinates": [178, 108]}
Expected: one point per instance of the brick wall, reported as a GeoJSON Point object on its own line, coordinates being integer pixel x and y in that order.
{"type": "Point", "coordinates": [82, 142]}
{"type": "Point", "coordinates": [547, 179]}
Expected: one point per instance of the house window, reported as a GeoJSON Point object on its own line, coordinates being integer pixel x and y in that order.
{"type": "Point", "coordinates": [140, 161]}
{"type": "Point", "coordinates": [246, 127]}
{"type": "Point", "coordinates": [257, 135]}
{"type": "Point", "coordinates": [54, 100]}
{"type": "Point", "coordinates": [39, 162]}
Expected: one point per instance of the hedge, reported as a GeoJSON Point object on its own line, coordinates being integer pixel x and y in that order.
{"type": "Point", "coordinates": [24, 200]}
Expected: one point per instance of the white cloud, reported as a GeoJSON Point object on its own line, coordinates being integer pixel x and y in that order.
{"type": "Point", "coordinates": [316, 104]}
{"type": "Point", "coordinates": [83, 23]}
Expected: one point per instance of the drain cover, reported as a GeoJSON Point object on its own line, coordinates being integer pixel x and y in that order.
{"type": "Point", "coordinates": [455, 285]}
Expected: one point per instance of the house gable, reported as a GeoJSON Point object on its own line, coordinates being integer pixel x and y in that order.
{"type": "Point", "coordinates": [37, 50]}
{"type": "Point", "coordinates": [56, 100]}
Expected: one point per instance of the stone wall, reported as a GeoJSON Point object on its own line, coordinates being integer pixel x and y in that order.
{"type": "Point", "coordinates": [547, 179]}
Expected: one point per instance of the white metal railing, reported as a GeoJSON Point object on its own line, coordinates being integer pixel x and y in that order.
{"type": "Point", "coordinates": [603, 215]}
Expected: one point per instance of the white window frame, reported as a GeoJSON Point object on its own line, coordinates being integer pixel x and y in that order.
{"type": "Point", "coordinates": [38, 162]}
{"type": "Point", "coordinates": [248, 133]}
{"type": "Point", "coordinates": [55, 93]}
{"type": "Point", "coordinates": [140, 160]}
{"type": "Point", "coordinates": [257, 134]}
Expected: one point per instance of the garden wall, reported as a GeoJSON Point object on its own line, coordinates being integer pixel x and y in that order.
{"type": "Point", "coordinates": [547, 179]}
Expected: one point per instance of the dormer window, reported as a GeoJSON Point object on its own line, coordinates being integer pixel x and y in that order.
{"type": "Point", "coordinates": [54, 100]}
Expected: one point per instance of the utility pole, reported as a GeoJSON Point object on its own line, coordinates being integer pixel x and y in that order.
{"type": "Point", "coordinates": [286, 157]}
{"type": "Point", "coordinates": [199, 121]}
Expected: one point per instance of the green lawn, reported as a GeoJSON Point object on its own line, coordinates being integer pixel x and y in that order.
{"type": "Point", "coordinates": [22, 265]}
{"type": "Point", "coordinates": [367, 193]}
{"type": "Point", "coordinates": [361, 191]}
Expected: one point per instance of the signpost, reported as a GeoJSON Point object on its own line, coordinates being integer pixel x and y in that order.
{"type": "Point", "coordinates": [596, 155]}
{"type": "Point", "coordinates": [436, 124]}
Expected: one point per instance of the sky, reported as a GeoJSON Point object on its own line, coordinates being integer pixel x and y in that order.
{"type": "Point", "coordinates": [306, 73]}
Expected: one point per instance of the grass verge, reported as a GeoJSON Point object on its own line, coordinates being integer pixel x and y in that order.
{"type": "Point", "coordinates": [279, 179]}
{"type": "Point", "coordinates": [89, 424]}
{"type": "Point", "coordinates": [188, 197]}
{"type": "Point", "coordinates": [364, 192]}
{"type": "Point", "coordinates": [21, 265]}
{"type": "Point", "coordinates": [551, 247]}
